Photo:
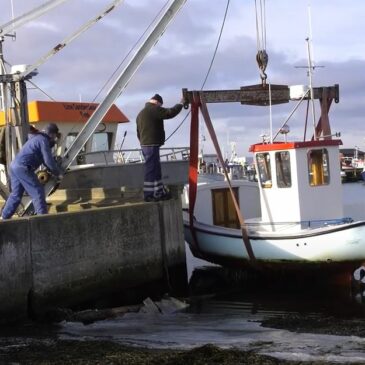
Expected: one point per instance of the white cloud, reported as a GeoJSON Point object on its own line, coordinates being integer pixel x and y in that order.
{"type": "Point", "coordinates": [43, 26]}
{"type": "Point", "coordinates": [182, 56]}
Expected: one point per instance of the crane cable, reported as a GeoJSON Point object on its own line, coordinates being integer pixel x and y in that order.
{"type": "Point", "coordinates": [262, 57]}
{"type": "Point", "coordinates": [209, 68]}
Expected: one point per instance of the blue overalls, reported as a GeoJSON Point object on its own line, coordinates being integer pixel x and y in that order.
{"type": "Point", "coordinates": [35, 152]}
{"type": "Point", "coordinates": [153, 186]}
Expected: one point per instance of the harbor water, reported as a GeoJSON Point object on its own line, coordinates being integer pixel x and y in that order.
{"type": "Point", "coordinates": [291, 320]}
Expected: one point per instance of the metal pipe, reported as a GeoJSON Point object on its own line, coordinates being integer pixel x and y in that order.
{"type": "Point", "coordinates": [71, 38]}
{"type": "Point", "coordinates": [310, 69]}
{"type": "Point", "coordinates": [121, 83]}
{"type": "Point", "coordinates": [290, 115]}
{"type": "Point", "coordinates": [29, 16]}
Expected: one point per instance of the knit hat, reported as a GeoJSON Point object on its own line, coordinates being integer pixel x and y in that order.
{"type": "Point", "coordinates": [158, 98]}
{"type": "Point", "coordinates": [51, 128]}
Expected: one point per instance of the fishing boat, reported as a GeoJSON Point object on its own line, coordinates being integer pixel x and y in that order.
{"type": "Point", "coordinates": [294, 216]}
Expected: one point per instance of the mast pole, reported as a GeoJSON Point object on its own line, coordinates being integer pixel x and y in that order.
{"type": "Point", "coordinates": [310, 72]}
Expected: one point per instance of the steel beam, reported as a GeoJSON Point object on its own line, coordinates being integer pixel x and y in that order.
{"type": "Point", "coordinates": [259, 95]}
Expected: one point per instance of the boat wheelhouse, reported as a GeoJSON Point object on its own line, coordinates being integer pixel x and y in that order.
{"type": "Point", "coordinates": [299, 181]}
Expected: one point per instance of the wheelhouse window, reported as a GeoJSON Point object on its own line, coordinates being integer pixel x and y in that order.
{"type": "Point", "coordinates": [264, 169]}
{"type": "Point", "coordinates": [224, 213]}
{"type": "Point", "coordinates": [283, 172]}
{"type": "Point", "coordinates": [318, 167]}
{"type": "Point", "coordinates": [101, 141]}
{"type": "Point", "coordinates": [69, 140]}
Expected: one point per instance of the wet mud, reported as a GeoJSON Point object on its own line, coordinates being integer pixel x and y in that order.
{"type": "Point", "coordinates": [231, 319]}
{"type": "Point", "coordinates": [303, 323]}
{"type": "Point", "coordinates": [107, 353]}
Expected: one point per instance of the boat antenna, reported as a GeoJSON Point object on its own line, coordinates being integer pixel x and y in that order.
{"type": "Point", "coordinates": [310, 71]}
{"type": "Point", "coordinates": [270, 113]}
{"type": "Point", "coordinates": [311, 66]}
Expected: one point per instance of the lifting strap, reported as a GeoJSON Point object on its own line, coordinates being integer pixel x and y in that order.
{"type": "Point", "coordinates": [323, 125]}
{"type": "Point", "coordinates": [193, 164]}
{"type": "Point", "coordinates": [198, 101]}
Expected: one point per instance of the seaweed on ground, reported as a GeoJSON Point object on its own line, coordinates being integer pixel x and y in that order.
{"type": "Point", "coordinates": [108, 353]}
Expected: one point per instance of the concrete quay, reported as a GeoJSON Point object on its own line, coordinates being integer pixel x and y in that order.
{"type": "Point", "coordinates": [64, 259]}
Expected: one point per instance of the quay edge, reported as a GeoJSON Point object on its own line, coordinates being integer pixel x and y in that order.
{"type": "Point", "coordinates": [66, 259]}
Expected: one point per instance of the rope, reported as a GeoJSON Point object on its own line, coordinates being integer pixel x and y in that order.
{"type": "Point", "coordinates": [209, 68]}
{"type": "Point", "coordinates": [42, 91]}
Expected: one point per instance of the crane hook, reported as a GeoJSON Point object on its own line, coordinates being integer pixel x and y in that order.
{"type": "Point", "coordinates": [262, 59]}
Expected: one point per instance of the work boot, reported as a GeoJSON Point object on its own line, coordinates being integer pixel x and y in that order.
{"type": "Point", "coordinates": [150, 199]}
{"type": "Point", "coordinates": [166, 196]}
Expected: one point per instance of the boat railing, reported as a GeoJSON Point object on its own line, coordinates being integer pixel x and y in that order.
{"type": "Point", "coordinates": [277, 226]}
{"type": "Point", "coordinates": [235, 171]}
{"type": "Point", "coordinates": [128, 156]}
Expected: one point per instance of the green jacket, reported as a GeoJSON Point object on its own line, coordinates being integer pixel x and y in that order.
{"type": "Point", "coordinates": [150, 129]}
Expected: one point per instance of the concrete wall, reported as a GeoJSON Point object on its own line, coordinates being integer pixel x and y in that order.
{"type": "Point", "coordinates": [15, 269]}
{"type": "Point", "coordinates": [69, 258]}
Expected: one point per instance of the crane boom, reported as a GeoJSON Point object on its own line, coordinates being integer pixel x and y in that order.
{"type": "Point", "coordinates": [29, 16]}
{"type": "Point", "coordinates": [118, 87]}
{"type": "Point", "coordinates": [70, 38]}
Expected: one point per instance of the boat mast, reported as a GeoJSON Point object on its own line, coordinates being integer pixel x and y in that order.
{"type": "Point", "coordinates": [2, 72]}
{"type": "Point", "coordinates": [13, 90]}
{"type": "Point", "coordinates": [310, 72]}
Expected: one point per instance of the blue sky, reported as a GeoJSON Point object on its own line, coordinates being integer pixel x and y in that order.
{"type": "Point", "coordinates": [182, 56]}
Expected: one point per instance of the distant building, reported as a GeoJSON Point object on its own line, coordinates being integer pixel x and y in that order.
{"type": "Point", "coordinates": [351, 152]}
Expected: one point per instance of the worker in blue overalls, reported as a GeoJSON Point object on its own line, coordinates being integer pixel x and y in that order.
{"type": "Point", "coordinates": [151, 135]}
{"type": "Point", "coordinates": [35, 152]}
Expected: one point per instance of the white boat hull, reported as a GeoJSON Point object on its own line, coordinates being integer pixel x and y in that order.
{"type": "Point", "coordinates": [343, 243]}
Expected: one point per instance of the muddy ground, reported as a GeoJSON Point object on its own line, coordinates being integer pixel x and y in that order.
{"type": "Point", "coordinates": [321, 325]}
{"type": "Point", "coordinates": [107, 353]}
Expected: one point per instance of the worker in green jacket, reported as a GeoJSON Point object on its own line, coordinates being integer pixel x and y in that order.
{"type": "Point", "coordinates": [151, 135]}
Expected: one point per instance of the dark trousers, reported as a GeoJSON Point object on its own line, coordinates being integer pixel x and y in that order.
{"type": "Point", "coordinates": [24, 179]}
{"type": "Point", "coordinates": [153, 186]}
